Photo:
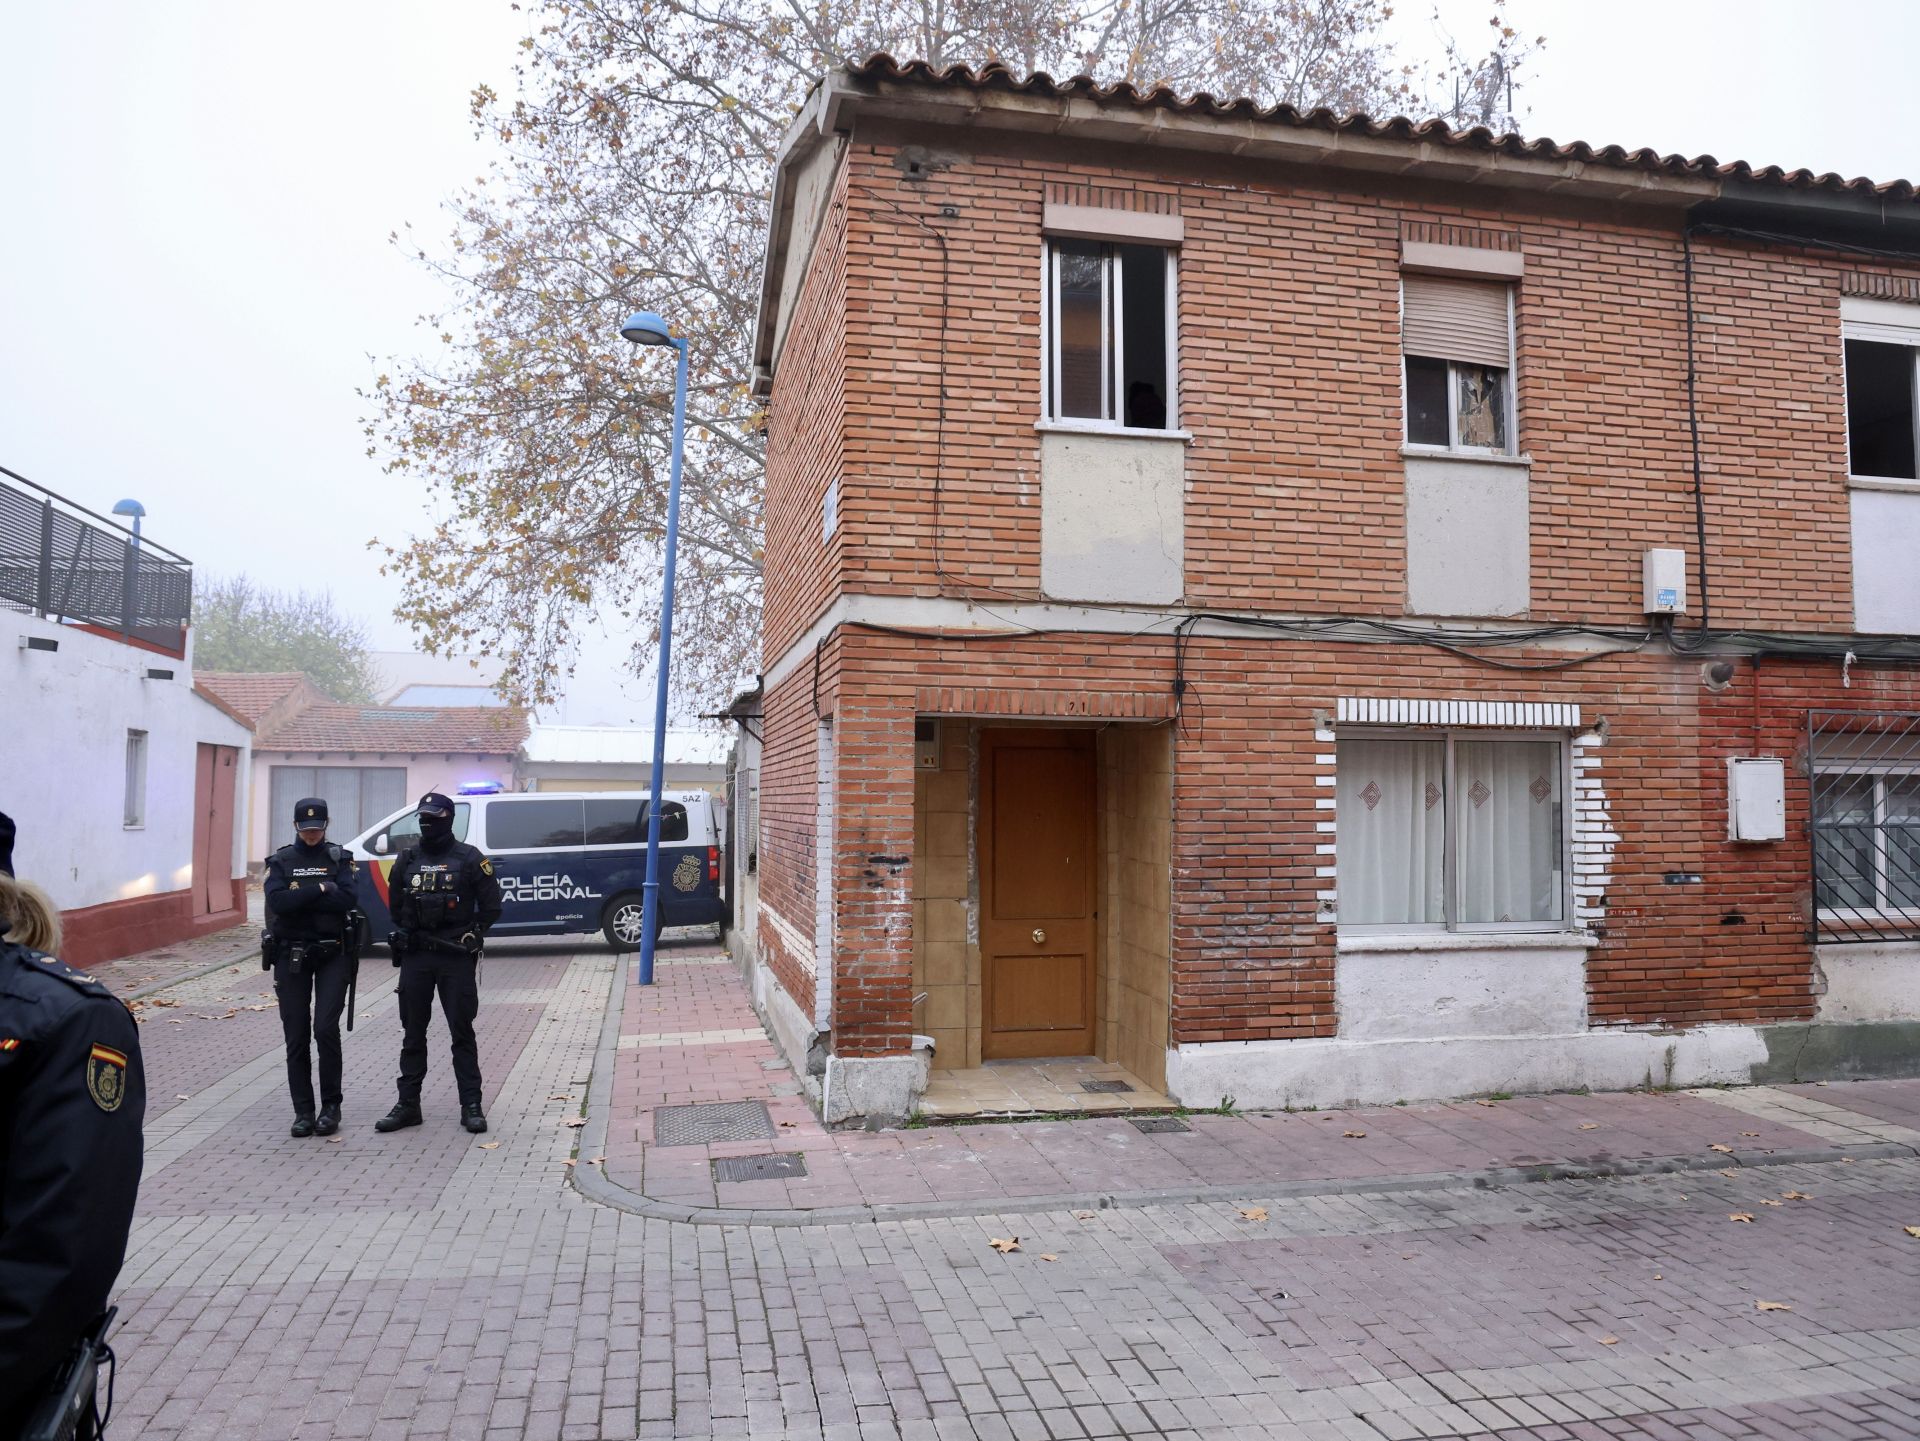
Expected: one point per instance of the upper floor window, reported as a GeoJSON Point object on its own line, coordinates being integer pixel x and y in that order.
{"type": "Point", "coordinates": [1457, 336]}
{"type": "Point", "coordinates": [1110, 328]}
{"type": "Point", "coordinates": [1880, 409]}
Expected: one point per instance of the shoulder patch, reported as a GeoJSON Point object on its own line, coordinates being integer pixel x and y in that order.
{"type": "Point", "coordinates": [9, 1043]}
{"type": "Point", "coordinates": [486, 865]}
{"type": "Point", "coordinates": [106, 1076]}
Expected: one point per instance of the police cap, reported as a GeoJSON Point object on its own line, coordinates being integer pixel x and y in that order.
{"type": "Point", "coordinates": [310, 814]}
{"type": "Point", "coordinates": [435, 804]}
{"type": "Point", "coordinates": [6, 843]}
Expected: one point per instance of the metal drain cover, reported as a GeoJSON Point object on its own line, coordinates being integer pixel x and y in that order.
{"type": "Point", "coordinates": [784, 1166]}
{"type": "Point", "coordinates": [1105, 1087]}
{"type": "Point", "coordinates": [703, 1125]}
{"type": "Point", "coordinates": [1153, 1125]}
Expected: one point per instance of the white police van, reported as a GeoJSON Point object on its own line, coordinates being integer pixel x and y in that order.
{"type": "Point", "coordinates": [568, 861]}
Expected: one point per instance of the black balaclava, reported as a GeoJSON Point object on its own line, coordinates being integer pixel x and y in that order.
{"type": "Point", "coordinates": [436, 822]}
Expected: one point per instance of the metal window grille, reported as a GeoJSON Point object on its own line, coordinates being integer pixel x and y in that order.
{"type": "Point", "coordinates": [1865, 824]}
{"type": "Point", "coordinates": [57, 563]}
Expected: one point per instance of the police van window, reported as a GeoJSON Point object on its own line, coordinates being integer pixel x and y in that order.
{"type": "Point", "coordinates": [534, 825]}
{"type": "Point", "coordinates": [406, 831]}
{"type": "Point", "coordinates": [624, 822]}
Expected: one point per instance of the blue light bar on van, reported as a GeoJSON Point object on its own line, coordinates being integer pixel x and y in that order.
{"type": "Point", "coordinates": [481, 788]}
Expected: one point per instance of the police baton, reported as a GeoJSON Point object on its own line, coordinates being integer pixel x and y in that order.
{"type": "Point", "coordinates": [356, 938]}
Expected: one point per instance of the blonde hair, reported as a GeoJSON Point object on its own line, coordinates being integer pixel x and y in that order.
{"type": "Point", "coordinates": [27, 915]}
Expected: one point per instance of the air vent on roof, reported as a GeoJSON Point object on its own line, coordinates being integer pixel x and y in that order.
{"type": "Point", "coordinates": [377, 713]}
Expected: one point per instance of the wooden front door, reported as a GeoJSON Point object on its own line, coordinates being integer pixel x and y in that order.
{"type": "Point", "coordinates": [1037, 890]}
{"type": "Point", "coordinates": [214, 777]}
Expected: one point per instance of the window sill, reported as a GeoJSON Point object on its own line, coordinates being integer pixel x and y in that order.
{"type": "Point", "coordinates": [1414, 941]}
{"type": "Point", "coordinates": [1121, 432]}
{"type": "Point", "coordinates": [133, 826]}
{"type": "Point", "coordinates": [1474, 457]}
{"type": "Point", "coordinates": [1883, 482]}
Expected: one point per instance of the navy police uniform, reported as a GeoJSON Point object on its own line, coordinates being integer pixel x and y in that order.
{"type": "Point", "coordinates": [73, 1096]}
{"type": "Point", "coordinates": [309, 890]}
{"type": "Point", "coordinates": [444, 897]}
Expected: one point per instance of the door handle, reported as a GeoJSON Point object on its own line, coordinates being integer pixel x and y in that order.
{"type": "Point", "coordinates": [1039, 936]}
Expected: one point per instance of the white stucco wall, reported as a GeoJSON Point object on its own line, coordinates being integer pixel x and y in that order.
{"type": "Point", "coordinates": [1467, 537]}
{"type": "Point", "coordinates": [1112, 521]}
{"type": "Point", "coordinates": [424, 773]}
{"type": "Point", "coordinates": [1886, 583]}
{"type": "Point", "coordinates": [1404, 988]}
{"type": "Point", "coordinates": [63, 766]}
{"type": "Point", "coordinates": [1869, 982]}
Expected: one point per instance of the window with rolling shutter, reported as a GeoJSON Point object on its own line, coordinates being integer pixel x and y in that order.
{"type": "Point", "coordinates": [1457, 336]}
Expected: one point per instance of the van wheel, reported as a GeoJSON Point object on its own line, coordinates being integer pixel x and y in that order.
{"type": "Point", "coordinates": [623, 918]}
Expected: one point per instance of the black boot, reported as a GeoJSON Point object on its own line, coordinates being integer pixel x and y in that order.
{"type": "Point", "coordinates": [473, 1118]}
{"type": "Point", "coordinates": [328, 1121]}
{"type": "Point", "coordinates": [302, 1127]}
{"type": "Point", "coordinates": [403, 1114]}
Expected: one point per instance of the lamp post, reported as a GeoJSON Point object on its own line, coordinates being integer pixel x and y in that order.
{"type": "Point", "coordinates": [645, 328]}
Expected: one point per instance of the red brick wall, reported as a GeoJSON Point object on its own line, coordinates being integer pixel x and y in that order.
{"type": "Point", "coordinates": [1252, 958]}
{"type": "Point", "coordinates": [1290, 382]}
{"type": "Point", "coordinates": [804, 441]}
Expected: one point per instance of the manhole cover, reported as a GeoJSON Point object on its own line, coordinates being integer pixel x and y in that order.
{"type": "Point", "coordinates": [1152, 1125]}
{"type": "Point", "coordinates": [760, 1168]}
{"type": "Point", "coordinates": [703, 1125]}
{"type": "Point", "coordinates": [1105, 1087]}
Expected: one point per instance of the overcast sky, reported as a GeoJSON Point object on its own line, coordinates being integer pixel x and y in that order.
{"type": "Point", "coordinates": [195, 200]}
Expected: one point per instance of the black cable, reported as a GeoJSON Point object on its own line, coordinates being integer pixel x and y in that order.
{"type": "Point", "coordinates": [1779, 237]}
{"type": "Point", "coordinates": [1693, 431]}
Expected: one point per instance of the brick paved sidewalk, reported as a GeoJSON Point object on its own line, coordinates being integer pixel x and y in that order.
{"type": "Point", "coordinates": [693, 1038]}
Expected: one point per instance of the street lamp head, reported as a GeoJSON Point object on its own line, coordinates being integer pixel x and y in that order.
{"type": "Point", "coordinates": [643, 327]}
{"type": "Point", "coordinates": [130, 507]}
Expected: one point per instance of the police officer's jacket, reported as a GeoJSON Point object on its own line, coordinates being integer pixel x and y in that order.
{"type": "Point", "coordinates": [73, 1096]}
{"type": "Point", "coordinates": [444, 891]}
{"type": "Point", "coordinates": [297, 908]}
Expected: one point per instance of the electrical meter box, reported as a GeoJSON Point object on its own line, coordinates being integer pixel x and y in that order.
{"type": "Point", "coordinates": [926, 743]}
{"type": "Point", "coordinates": [1664, 576]}
{"type": "Point", "coordinates": [1757, 799]}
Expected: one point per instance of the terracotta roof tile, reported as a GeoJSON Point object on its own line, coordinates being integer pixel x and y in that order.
{"type": "Point", "coordinates": [475, 730]}
{"type": "Point", "coordinates": [1425, 132]}
{"type": "Point", "coordinates": [251, 693]}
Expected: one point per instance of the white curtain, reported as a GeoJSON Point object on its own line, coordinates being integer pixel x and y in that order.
{"type": "Point", "coordinates": [1507, 807]}
{"type": "Point", "coordinates": [1390, 821]}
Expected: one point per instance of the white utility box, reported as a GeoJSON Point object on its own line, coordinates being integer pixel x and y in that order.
{"type": "Point", "coordinates": [1663, 575]}
{"type": "Point", "coordinates": [1757, 799]}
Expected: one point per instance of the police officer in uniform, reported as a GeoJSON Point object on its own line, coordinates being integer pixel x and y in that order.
{"type": "Point", "coordinates": [444, 897]}
{"type": "Point", "coordinates": [73, 1096]}
{"type": "Point", "coordinates": [309, 891]}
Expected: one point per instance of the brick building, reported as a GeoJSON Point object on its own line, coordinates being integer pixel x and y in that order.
{"type": "Point", "coordinates": [1211, 625]}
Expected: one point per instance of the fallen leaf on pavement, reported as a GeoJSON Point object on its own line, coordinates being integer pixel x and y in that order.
{"type": "Point", "coordinates": [1486, 1103]}
{"type": "Point", "coordinates": [1725, 1150]}
{"type": "Point", "coordinates": [183, 1096]}
{"type": "Point", "coordinates": [335, 1140]}
{"type": "Point", "coordinates": [1767, 1201]}
{"type": "Point", "coordinates": [1354, 1135]}
{"type": "Point", "coordinates": [1749, 1133]}
{"type": "Point", "coordinates": [489, 1145]}
{"type": "Point", "coordinates": [559, 1098]}
{"type": "Point", "coordinates": [175, 1021]}
{"type": "Point", "coordinates": [1253, 1213]}
{"type": "Point", "coordinates": [1084, 1215]}
{"type": "Point", "coordinates": [1589, 1125]}
{"type": "Point", "coordinates": [576, 1121]}
{"type": "Point", "coordinates": [1048, 1256]}
{"type": "Point", "coordinates": [788, 1125]}
{"type": "Point", "coordinates": [1658, 1277]}
{"type": "Point", "coordinates": [1771, 1306]}
{"type": "Point", "coordinates": [569, 1163]}
{"type": "Point", "coordinates": [163, 1001]}
{"type": "Point", "coordinates": [1609, 1340]}
{"type": "Point", "coordinates": [1743, 1216]}
{"type": "Point", "coordinates": [1913, 1231]}
{"type": "Point", "coordinates": [1795, 1196]}
{"type": "Point", "coordinates": [597, 1161]}
{"type": "Point", "coordinates": [1004, 1244]}
{"type": "Point", "coordinates": [1727, 1171]}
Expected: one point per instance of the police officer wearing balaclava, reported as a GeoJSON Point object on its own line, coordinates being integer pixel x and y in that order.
{"type": "Point", "coordinates": [309, 891]}
{"type": "Point", "coordinates": [444, 897]}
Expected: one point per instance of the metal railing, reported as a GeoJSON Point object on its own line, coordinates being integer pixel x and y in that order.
{"type": "Point", "coordinates": [1865, 824]}
{"type": "Point", "coordinates": [61, 561]}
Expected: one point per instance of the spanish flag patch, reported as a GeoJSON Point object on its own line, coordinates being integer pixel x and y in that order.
{"type": "Point", "coordinates": [9, 1043]}
{"type": "Point", "coordinates": [107, 1077]}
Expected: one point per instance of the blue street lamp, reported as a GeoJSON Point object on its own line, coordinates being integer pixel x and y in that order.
{"type": "Point", "coordinates": [645, 328]}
